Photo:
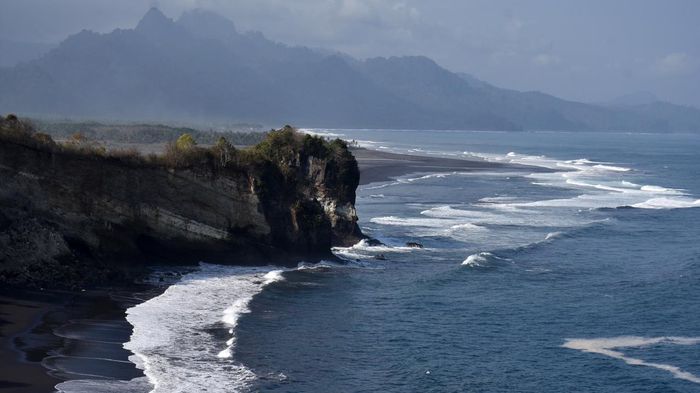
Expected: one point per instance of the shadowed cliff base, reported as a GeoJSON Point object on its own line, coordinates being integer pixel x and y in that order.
{"type": "Point", "coordinates": [74, 214]}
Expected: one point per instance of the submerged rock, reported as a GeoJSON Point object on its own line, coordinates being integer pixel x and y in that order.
{"type": "Point", "coordinates": [371, 242]}
{"type": "Point", "coordinates": [414, 245]}
{"type": "Point", "coordinates": [71, 216]}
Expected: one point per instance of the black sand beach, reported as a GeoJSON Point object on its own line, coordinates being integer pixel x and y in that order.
{"type": "Point", "coordinates": [49, 337]}
{"type": "Point", "coordinates": [18, 315]}
{"type": "Point", "coordinates": [377, 166]}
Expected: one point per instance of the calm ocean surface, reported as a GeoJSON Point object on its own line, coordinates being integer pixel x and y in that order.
{"type": "Point", "coordinates": [583, 279]}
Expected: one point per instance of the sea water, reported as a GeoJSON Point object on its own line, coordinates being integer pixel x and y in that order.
{"type": "Point", "coordinates": [580, 272]}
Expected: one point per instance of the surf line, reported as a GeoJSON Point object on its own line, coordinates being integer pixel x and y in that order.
{"type": "Point", "coordinates": [608, 346]}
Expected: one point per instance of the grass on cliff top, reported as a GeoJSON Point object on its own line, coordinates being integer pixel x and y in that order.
{"type": "Point", "coordinates": [284, 148]}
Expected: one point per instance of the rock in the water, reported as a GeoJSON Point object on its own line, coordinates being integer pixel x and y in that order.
{"type": "Point", "coordinates": [371, 242]}
{"type": "Point", "coordinates": [414, 245]}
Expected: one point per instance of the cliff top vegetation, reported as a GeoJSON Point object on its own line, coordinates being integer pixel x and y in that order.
{"type": "Point", "coordinates": [285, 149]}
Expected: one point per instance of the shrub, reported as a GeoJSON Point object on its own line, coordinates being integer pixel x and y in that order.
{"type": "Point", "coordinates": [131, 155]}
{"type": "Point", "coordinates": [78, 142]}
{"type": "Point", "coordinates": [225, 151]}
{"type": "Point", "coordinates": [185, 153]}
{"type": "Point", "coordinates": [44, 139]}
{"type": "Point", "coordinates": [11, 125]}
{"type": "Point", "coordinates": [185, 142]}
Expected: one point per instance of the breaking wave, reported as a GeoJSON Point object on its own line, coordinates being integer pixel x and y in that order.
{"type": "Point", "coordinates": [171, 335]}
{"type": "Point", "coordinates": [510, 222]}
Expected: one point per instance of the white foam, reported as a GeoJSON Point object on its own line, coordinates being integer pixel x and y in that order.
{"type": "Point", "coordinates": [363, 245]}
{"type": "Point", "coordinates": [612, 168]}
{"type": "Point", "coordinates": [489, 223]}
{"type": "Point", "coordinates": [466, 227]}
{"type": "Point", "coordinates": [658, 189]}
{"type": "Point", "coordinates": [667, 203]}
{"type": "Point", "coordinates": [482, 215]}
{"type": "Point", "coordinates": [477, 260]}
{"type": "Point", "coordinates": [609, 346]}
{"type": "Point", "coordinates": [425, 177]}
{"type": "Point", "coordinates": [103, 386]}
{"type": "Point", "coordinates": [583, 173]}
{"type": "Point", "coordinates": [553, 235]}
{"type": "Point", "coordinates": [175, 352]}
{"type": "Point", "coordinates": [239, 307]}
{"type": "Point", "coordinates": [409, 222]}
{"type": "Point", "coordinates": [323, 134]}
{"type": "Point", "coordinates": [363, 251]}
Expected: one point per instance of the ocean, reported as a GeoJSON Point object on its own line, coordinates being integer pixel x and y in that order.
{"type": "Point", "coordinates": [580, 276]}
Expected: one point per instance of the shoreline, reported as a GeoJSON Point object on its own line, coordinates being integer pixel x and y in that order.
{"type": "Point", "coordinates": [20, 313]}
{"type": "Point", "coordinates": [379, 166]}
{"type": "Point", "coordinates": [93, 324]}
{"type": "Point", "coordinates": [49, 337]}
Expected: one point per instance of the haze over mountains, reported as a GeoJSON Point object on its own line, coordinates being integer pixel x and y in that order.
{"type": "Point", "coordinates": [200, 68]}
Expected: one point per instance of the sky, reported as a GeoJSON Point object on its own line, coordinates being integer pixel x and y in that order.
{"type": "Point", "coordinates": [585, 50]}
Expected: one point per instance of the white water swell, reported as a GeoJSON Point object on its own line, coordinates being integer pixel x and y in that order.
{"type": "Point", "coordinates": [478, 259]}
{"type": "Point", "coordinates": [171, 338]}
{"type": "Point", "coordinates": [609, 347]}
{"type": "Point", "coordinates": [601, 184]}
{"type": "Point", "coordinates": [497, 222]}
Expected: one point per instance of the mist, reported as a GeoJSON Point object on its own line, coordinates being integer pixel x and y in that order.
{"type": "Point", "coordinates": [592, 51]}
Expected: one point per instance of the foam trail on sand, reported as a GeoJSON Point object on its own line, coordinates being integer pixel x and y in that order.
{"type": "Point", "coordinates": [139, 385]}
{"type": "Point", "coordinates": [609, 346]}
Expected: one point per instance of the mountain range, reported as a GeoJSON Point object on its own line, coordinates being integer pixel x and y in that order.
{"type": "Point", "coordinates": [201, 68]}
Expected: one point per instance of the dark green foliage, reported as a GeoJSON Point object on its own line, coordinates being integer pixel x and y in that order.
{"type": "Point", "coordinates": [243, 134]}
{"type": "Point", "coordinates": [316, 146]}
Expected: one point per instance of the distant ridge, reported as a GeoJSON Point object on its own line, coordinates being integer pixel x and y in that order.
{"type": "Point", "coordinates": [200, 68]}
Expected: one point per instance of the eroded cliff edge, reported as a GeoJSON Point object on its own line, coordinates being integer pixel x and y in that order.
{"type": "Point", "coordinates": [73, 215]}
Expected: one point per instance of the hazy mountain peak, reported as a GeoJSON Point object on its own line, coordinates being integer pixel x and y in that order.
{"type": "Point", "coordinates": [216, 73]}
{"type": "Point", "coordinates": [474, 81]}
{"type": "Point", "coordinates": [208, 24]}
{"type": "Point", "coordinates": [154, 21]}
{"type": "Point", "coordinates": [415, 61]}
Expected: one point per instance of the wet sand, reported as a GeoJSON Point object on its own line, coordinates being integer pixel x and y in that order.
{"type": "Point", "coordinates": [378, 166]}
{"type": "Point", "coordinates": [50, 337]}
{"type": "Point", "coordinates": [17, 316]}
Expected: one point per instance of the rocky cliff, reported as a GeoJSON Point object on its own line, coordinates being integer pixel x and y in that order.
{"type": "Point", "coordinates": [73, 215]}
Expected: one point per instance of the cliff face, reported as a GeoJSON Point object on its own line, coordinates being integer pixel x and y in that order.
{"type": "Point", "coordinates": [71, 218]}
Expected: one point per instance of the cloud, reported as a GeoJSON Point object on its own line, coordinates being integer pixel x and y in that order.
{"type": "Point", "coordinates": [359, 27]}
{"type": "Point", "coordinates": [514, 26]}
{"type": "Point", "coordinates": [546, 60]}
{"type": "Point", "coordinates": [674, 64]}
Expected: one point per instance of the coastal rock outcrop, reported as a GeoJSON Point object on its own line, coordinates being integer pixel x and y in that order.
{"type": "Point", "coordinates": [72, 214]}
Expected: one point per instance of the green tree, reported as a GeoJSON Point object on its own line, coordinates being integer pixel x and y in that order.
{"type": "Point", "coordinates": [185, 142]}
